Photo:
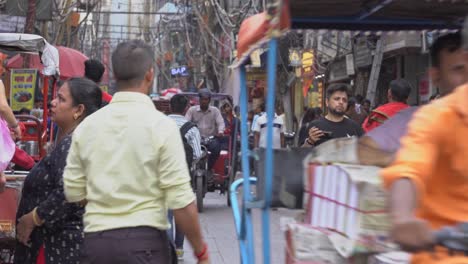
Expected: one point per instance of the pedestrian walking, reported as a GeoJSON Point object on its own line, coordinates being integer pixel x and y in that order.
{"type": "Point", "coordinates": [130, 183]}
{"type": "Point", "coordinates": [192, 145]}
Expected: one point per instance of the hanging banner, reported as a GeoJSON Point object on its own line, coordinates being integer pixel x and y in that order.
{"type": "Point", "coordinates": [23, 85]}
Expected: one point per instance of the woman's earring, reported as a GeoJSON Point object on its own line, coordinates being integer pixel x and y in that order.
{"type": "Point", "coordinates": [75, 116]}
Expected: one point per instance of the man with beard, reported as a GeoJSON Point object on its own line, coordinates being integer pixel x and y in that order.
{"type": "Point", "coordinates": [334, 124]}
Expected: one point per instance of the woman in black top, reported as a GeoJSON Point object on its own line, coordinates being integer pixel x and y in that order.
{"type": "Point", "coordinates": [46, 223]}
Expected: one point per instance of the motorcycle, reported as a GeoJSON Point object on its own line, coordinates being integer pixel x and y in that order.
{"type": "Point", "coordinates": [219, 178]}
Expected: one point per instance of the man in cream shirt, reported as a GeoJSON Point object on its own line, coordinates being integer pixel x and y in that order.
{"type": "Point", "coordinates": [124, 164]}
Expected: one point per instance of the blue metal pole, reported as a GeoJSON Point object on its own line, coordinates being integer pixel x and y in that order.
{"type": "Point", "coordinates": [243, 240]}
{"type": "Point", "coordinates": [269, 159]}
{"type": "Point", "coordinates": [246, 221]}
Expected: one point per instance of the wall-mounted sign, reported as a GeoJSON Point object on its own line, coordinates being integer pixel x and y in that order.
{"type": "Point", "coordinates": [179, 71]}
{"type": "Point", "coordinates": [338, 70]}
{"type": "Point", "coordinates": [362, 53]}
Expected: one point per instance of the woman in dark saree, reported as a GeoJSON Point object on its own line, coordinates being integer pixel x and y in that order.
{"type": "Point", "coordinates": [50, 230]}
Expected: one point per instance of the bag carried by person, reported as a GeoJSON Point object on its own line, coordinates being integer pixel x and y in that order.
{"type": "Point", "coordinates": [7, 146]}
{"type": "Point", "coordinates": [188, 149]}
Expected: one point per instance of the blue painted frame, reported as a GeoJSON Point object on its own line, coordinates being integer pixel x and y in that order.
{"type": "Point", "coordinates": [243, 214]}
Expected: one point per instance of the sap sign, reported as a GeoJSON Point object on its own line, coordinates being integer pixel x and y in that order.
{"type": "Point", "coordinates": [179, 71]}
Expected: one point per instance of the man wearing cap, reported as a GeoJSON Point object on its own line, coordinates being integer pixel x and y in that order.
{"type": "Point", "coordinates": [398, 93]}
{"type": "Point", "coordinates": [210, 122]}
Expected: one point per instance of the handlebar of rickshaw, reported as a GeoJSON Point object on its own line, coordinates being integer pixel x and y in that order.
{"type": "Point", "coordinates": [454, 238]}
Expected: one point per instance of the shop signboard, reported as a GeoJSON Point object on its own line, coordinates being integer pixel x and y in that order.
{"type": "Point", "coordinates": [338, 70]}
{"type": "Point", "coordinates": [402, 40]}
{"type": "Point", "coordinates": [179, 71]}
{"type": "Point", "coordinates": [23, 86]}
{"type": "Point", "coordinates": [308, 63]}
{"type": "Point", "coordinates": [362, 53]}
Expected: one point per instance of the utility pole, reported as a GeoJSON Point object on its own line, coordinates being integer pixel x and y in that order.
{"type": "Point", "coordinates": [29, 27]}
{"type": "Point", "coordinates": [30, 17]}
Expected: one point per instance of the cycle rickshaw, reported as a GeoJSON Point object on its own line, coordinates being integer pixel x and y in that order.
{"type": "Point", "coordinates": [357, 16]}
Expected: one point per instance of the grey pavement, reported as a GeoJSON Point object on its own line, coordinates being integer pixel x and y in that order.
{"type": "Point", "coordinates": [218, 229]}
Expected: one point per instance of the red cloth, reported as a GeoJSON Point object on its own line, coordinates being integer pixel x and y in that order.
{"type": "Point", "coordinates": [379, 115]}
{"type": "Point", "coordinates": [229, 126]}
{"type": "Point", "coordinates": [106, 97]}
{"type": "Point", "coordinates": [41, 257]}
{"type": "Point", "coordinates": [21, 158]}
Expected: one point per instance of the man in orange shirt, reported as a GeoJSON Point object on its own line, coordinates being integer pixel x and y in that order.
{"type": "Point", "coordinates": [428, 181]}
{"type": "Point", "coordinates": [397, 95]}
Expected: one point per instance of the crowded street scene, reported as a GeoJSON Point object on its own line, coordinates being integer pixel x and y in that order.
{"type": "Point", "coordinates": [238, 131]}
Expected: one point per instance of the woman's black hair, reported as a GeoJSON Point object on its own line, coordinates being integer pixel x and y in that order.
{"type": "Point", "coordinates": [309, 116]}
{"type": "Point", "coordinates": [86, 92]}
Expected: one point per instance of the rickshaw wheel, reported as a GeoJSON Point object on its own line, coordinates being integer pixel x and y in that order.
{"type": "Point", "coordinates": [199, 194]}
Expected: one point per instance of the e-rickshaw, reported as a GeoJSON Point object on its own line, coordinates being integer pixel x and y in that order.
{"type": "Point", "coordinates": [25, 43]}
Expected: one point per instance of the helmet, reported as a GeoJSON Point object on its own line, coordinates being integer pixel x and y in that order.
{"type": "Point", "coordinates": [204, 93]}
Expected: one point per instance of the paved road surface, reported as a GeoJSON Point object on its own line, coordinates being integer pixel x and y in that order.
{"type": "Point", "coordinates": [219, 231]}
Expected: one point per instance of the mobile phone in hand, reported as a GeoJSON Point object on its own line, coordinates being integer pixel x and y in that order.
{"type": "Point", "coordinates": [327, 134]}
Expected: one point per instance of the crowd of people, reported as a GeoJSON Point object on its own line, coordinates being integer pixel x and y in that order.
{"type": "Point", "coordinates": [104, 192]}
{"type": "Point", "coordinates": [420, 147]}
{"type": "Point", "coordinates": [113, 189]}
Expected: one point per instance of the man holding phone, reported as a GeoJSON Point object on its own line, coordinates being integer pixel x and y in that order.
{"type": "Point", "coordinates": [334, 124]}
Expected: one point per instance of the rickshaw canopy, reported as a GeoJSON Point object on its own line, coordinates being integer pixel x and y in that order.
{"type": "Point", "coordinates": [71, 62]}
{"type": "Point", "coordinates": [33, 44]}
{"type": "Point", "coordinates": [352, 15]}
{"type": "Point", "coordinates": [378, 15]}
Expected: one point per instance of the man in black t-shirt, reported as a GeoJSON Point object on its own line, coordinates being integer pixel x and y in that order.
{"type": "Point", "coordinates": [334, 124]}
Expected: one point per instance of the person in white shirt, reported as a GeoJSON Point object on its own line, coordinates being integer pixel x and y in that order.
{"type": "Point", "coordinates": [260, 131]}
{"type": "Point", "coordinates": [259, 111]}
